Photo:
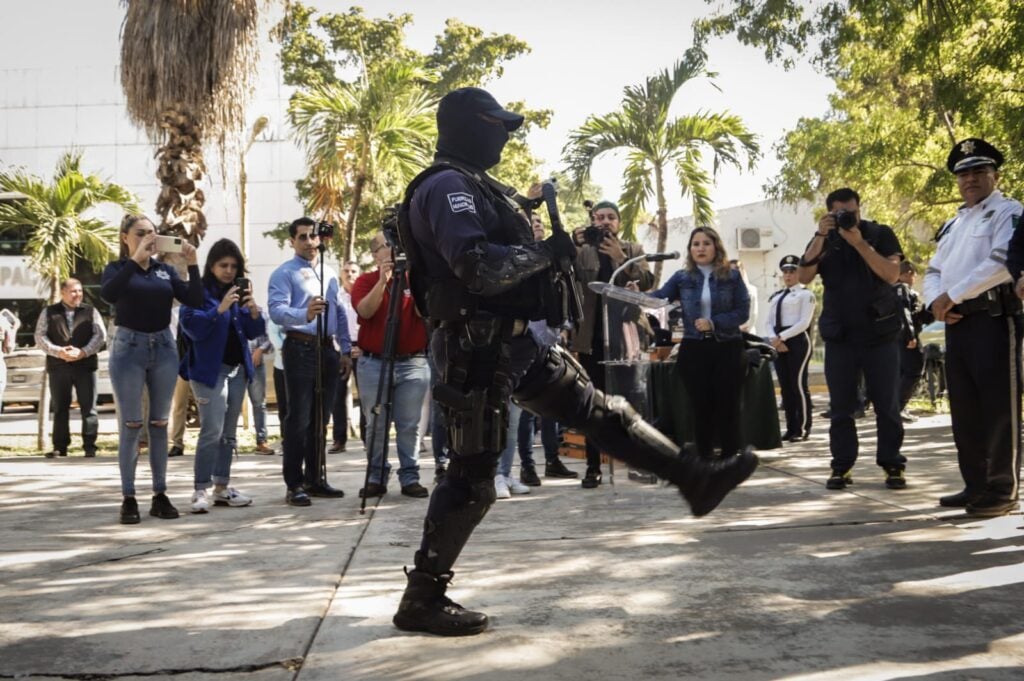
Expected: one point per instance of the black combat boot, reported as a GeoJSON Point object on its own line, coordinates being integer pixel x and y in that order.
{"type": "Point", "coordinates": [424, 607]}
{"type": "Point", "coordinates": [705, 482]}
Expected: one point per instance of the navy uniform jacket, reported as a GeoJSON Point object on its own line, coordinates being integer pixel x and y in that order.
{"type": "Point", "coordinates": [449, 216]}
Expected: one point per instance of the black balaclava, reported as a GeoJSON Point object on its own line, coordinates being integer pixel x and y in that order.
{"type": "Point", "coordinates": [463, 135]}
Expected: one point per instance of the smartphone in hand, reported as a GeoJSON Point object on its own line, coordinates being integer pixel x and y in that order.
{"type": "Point", "coordinates": [168, 244]}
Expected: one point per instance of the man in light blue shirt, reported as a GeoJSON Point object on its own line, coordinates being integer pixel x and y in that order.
{"type": "Point", "coordinates": [295, 300]}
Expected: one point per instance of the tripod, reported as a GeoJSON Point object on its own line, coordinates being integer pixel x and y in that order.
{"type": "Point", "coordinates": [386, 384]}
{"type": "Point", "coordinates": [319, 422]}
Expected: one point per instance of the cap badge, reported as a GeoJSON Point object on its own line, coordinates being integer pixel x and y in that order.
{"type": "Point", "coordinates": [967, 147]}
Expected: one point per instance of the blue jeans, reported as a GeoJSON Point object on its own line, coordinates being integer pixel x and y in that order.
{"type": "Point", "coordinates": [412, 378]}
{"type": "Point", "coordinates": [548, 438]}
{"type": "Point", "coordinates": [142, 362]}
{"type": "Point", "coordinates": [300, 463]}
{"type": "Point", "coordinates": [219, 407]}
{"type": "Point", "coordinates": [511, 438]}
{"type": "Point", "coordinates": [258, 397]}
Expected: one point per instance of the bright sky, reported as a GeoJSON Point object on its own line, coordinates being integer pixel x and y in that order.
{"type": "Point", "coordinates": [586, 51]}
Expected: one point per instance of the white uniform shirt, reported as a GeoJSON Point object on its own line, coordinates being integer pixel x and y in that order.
{"type": "Point", "coordinates": [971, 255]}
{"type": "Point", "coordinates": [797, 313]}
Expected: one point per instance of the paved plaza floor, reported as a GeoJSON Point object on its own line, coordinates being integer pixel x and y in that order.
{"type": "Point", "coordinates": [785, 581]}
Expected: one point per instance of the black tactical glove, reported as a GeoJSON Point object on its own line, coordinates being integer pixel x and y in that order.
{"type": "Point", "coordinates": [561, 246]}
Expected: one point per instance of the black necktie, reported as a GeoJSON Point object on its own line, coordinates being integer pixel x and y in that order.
{"type": "Point", "coordinates": [778, 312]}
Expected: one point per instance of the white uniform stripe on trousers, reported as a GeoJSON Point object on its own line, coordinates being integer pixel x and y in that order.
{"type": "Point", "coordinates": [1014, 409]}
{"type": "Point", "coordinates": [805, 397]}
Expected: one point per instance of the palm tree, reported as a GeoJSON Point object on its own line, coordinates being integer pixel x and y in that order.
{"type": "Point", "coordinates": [654, 144]}
{"type": "Point", "coordinates": [187, 70]}
{"type": "Point", "coordinates": [364, 140]}
{"type": "Point", "coordinates": [58, 232]}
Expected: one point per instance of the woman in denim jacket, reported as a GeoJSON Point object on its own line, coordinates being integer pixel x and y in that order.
{"type": "Point", "coordinates": [714, 303]}
{"type": "Point", "coordinates": [219, 366]}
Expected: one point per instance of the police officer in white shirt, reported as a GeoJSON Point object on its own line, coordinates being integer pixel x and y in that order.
{"type": "Point", "coordinates": [790, 311]}
{"type": "Point", "coordinates": [967, 286]}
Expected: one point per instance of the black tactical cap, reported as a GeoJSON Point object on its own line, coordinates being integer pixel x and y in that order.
{"type": "Point", "coordinates": [971, 153]}
{"type": "Point", "coordinates": [789, 262]}
{"type": "Point", "coordinates": [473, 100]}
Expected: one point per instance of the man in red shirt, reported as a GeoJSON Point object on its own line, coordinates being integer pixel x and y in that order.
{"type": "Point", "coordinates": [370, 295]}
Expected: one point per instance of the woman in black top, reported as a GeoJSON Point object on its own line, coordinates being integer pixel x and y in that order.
{"type": "Point", "coordinates": [143, 354]}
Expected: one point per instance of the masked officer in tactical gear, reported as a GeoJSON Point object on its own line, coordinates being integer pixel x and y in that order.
{"type": "Point", "coordinates": [477, 275]}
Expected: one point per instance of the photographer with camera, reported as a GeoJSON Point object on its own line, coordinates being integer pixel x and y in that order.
{"type": "Point", "coordinates": [370, 297]}
{"type": "Point", "coordinates": [303, 301]}
{"type": "Point", "coordinates": [219, 367]}
{"type": "Point", "coordinates": [969, 286]}
{"type": "Point", "coordinates": [600, 253]}
{"type": "Point", "coordinates": [859, 261]}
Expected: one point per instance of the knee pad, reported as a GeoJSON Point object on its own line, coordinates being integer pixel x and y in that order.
{"type": "Point", "coordinates": [557, 388]}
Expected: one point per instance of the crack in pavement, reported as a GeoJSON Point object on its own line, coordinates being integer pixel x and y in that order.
{"type": "Point", "coordinates": [290, 664]}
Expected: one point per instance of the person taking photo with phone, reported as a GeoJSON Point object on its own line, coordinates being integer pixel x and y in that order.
{"type": "Point", "coordinates": [143, 354]}
{"type": "Point", "coordinates": [219, 366]}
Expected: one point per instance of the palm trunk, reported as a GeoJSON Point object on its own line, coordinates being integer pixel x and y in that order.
{"type": "Point", "coordinates": [181, 167]}
{"type": "Point", "coordinates": [353, 211]}
{"type": "Point", "coordinates": [659, 188]}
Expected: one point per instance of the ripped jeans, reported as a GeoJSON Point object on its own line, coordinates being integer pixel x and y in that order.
{"type": "Point", "coordinates": [219, 407]}
{"type": "Point", "coordinates": [142, 362]}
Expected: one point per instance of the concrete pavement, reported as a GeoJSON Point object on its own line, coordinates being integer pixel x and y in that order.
{"type": "Point", "coordinates": [787, 580]}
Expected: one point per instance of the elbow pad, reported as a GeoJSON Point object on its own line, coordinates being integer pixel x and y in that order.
{"type": "Point", "coordinates": [490, 278]}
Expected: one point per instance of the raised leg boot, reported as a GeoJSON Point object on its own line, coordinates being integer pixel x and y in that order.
{"type": "Point", "coordinates": [560, 389]}
{"type": "Point", "coordinates": [425, 607]}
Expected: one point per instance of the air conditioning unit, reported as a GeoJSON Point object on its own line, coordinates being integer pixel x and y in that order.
{"type": "Point", "coordinates": [754, 239]}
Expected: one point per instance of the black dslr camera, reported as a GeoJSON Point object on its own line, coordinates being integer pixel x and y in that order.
{"type": "Point", "coordinates": [594, 235]}
{"type": "Point", "coordinates": [324, 230]}
{"type": "Point", "coordinates": [845, 219]}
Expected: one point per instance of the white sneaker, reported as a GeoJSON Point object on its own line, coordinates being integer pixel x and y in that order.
{"type": "Point", "coordinates": [516, 487]}
{"type": "Point", "coordinates": [230, 497]}
{"type": "Point", "coordinates": [200, 503]}
{"type": "Point", "coordinates": [501, 489]}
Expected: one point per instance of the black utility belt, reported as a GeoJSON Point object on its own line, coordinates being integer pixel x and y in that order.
{"type": "Point", "coordinates": [398, 358]}
{"type": "Point", "coordinates": [519, 326]}
{"type": "Point", "coordinates": [997, 301]}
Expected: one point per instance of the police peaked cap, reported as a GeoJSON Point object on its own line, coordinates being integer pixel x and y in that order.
{"type": "Point", "coordinates": [971, 153]}
{"type": "Point", "coordinates": [789, 262]}
{"type": "Point", "coordinates": [473, 100]}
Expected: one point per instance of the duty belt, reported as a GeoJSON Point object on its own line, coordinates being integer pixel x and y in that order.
{"type": "Point", "coordinates": [989, 301]}
{"type": "Point", "coordinates": [519, 326]}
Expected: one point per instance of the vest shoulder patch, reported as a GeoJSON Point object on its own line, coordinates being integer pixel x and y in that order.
{"type": "Point", "coordinates": [461, 202]}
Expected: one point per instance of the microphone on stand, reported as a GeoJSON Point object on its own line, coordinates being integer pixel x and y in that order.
{"type": "Point", "coordinates": [658, 257]}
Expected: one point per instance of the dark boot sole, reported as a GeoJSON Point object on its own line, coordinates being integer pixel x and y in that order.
{"type": "Point", "coordinates": [744, 470]}
{"type": "Point", "coordinates": [416, 626]}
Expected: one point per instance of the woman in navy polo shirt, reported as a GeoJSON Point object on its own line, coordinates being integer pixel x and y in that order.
{"type": "Point", "coordinates": [714, 303]}
{"type": "Point", "coordinates": [143, 354]}
{"type": "Point", "coordinates": [219, 366]}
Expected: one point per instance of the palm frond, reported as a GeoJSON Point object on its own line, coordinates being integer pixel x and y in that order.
{"type": "Point", "coordinates": [637, 191]}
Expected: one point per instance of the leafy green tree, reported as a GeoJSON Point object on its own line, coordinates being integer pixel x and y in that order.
{"type": "Point", "coordinates": [59, 230]}
{"type": "Point", "coordinates": [656, 145]}
{"type": "Point", "coordinates": [333, 57]}
{"type": "Point", "coordinates": [912, 77]}
{"type": "Point", "coordinates": [374, 133]}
